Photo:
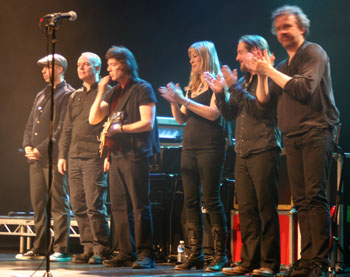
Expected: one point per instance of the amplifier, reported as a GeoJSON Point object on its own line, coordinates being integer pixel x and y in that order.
{"type": "Point", "coordinates": [167, 160]}
{"type": "Point", "coordinates": [288, 237]}
{"type": "Point", "coordinates": [170, 137]}
{"type": "Point", "coordinates": [284, 195]}
{"type": "Point", "coordinates": [170, 132]}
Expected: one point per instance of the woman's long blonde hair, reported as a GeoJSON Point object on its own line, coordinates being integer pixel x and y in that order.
{"type": "Point", "coordinates": [210, 62]}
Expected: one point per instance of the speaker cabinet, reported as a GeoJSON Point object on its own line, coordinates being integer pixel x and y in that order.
{"type": "Point", "coordinates": [288, 237]}
{"type": "Point", "coordinates": [284, 196]}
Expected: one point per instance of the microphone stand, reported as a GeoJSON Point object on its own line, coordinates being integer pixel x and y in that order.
{"type": "Point", "coordinates": [51, 36]}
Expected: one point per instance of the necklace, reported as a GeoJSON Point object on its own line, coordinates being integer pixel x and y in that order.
{"type": "Point", "coordinates": [198, 91]}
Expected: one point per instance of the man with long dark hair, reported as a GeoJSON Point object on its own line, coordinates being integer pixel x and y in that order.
{"type": "Point", "coordinates": [256, 165]}
{"type": "Point", "coordinates": [134, 137]}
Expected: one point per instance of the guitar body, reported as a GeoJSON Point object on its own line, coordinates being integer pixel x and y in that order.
{"type": "Point", "coordinates": [106, 143]}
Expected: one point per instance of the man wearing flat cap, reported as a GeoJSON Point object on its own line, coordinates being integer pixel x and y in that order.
{"type": "Point", "coordinates": [36, 144]}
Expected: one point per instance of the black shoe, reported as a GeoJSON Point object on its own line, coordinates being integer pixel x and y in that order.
{"type": "Point", "coordinates": [30, 255]}
{"type": "Point", "coordinates": [298, 269]}
{"type": "Point", "coordinates": [82, 258]}
{"type": "Point", "coordinates": [118, 261]}
{"type": "Point", "coordinates": [98, 259]}
{"type": "Point", "coordinates": [217, 264]}
{"type": "Point", "coordinates": [144, 263]}
{"type": "Point", "coordinates": [194, 260]}
{"type": "Point", "coordinates": [319, 271]}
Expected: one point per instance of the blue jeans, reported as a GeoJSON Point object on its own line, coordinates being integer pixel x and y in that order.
{"type": "Point", "coordinates": [88, 192]}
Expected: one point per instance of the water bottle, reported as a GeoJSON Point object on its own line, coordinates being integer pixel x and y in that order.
{"type": "Point", "coordinates": [181, 252]}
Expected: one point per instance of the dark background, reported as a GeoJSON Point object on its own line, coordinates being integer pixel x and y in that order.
{"type": "Point", "coordinates": [159, 34]}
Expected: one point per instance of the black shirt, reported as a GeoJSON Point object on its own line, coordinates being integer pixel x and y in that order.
{"type": "Point", "coordinates": [307, 100]}
{"type": "Point", "coordinates": [202, 133]}
{"type": "Point", "coordinates": [36, 133]}
{"type": "Point", "coordinates": [78, 137]}
{"type": "Point", "coordinates": [256, 124]}
{"type": "Point", "coordinates": [135, 145]}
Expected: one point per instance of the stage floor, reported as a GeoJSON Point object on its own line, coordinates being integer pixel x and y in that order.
{"type": "Point", "coordinates": [9, 266]}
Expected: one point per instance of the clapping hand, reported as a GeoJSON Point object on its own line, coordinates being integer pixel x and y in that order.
{"type": "Point", "coordinates": [229, 76]}
{"type": "Point", "coordinates": [259, 61]}
{"type": "Point", "coordinates": [172, 93]}
{"type": "Point", "coordinates": [216, 84]}
{"type": "Point", "coordinates": [165, 93]}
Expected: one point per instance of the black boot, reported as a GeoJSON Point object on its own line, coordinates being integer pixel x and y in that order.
{"type": "Point", "coordinates": [196, 257]}
{"type": "Point", "coordinates": [220, 259]}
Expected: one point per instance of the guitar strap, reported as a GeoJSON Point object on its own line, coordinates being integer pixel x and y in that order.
{"type": "Point", "coordinates": [119, 106]}
{"type": "Point", "coordinates": [121, 103]}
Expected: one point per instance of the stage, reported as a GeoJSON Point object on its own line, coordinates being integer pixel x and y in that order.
{"type": "Point", "coordinates": [9, 266]}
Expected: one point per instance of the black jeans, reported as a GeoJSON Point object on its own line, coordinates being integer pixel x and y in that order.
{"type": "Point", "coordinates": [88, 193]}
{"type": "Point", "coordinates": [131, 207]}
{"type": "Point", "coordinates": [308, 160]}
{"type": "Point", "coordinates": [257, 195]}
{"type": "Point", "coordinates": [60, 209]}
{"type": "Point", "coordinates": [201, 173]}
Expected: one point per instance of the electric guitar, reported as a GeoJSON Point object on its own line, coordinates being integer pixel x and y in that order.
{"type": "Point", "coordinates": [106, 142]}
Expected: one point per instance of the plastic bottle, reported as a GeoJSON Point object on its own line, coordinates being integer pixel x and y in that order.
{"type": "Point", "coordinates": [181, 252]}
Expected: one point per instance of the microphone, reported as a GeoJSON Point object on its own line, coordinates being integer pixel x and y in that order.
{"type": "Point", "coordinates": [72, 16]}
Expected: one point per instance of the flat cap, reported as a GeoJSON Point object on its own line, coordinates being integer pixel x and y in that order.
{"type": "Point", "coordinates": [59, 59]}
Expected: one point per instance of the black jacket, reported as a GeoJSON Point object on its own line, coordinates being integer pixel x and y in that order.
{"type": "Point", "coordinates": [36, 133]}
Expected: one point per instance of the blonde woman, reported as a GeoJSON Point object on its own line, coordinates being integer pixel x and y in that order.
{"type": "Point", "coordinates": [203, 154]}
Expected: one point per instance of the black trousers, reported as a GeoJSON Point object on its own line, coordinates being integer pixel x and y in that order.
{"type": "Point", "coordinates": [131, 207]}
{"type": "Point", "coordinates": [201, 177]}
{"type": "Point", "coordinates": [257, 195]}
{"type": "Point", "coordinates": [88, 193]}
{"type": "Point", "coordinates": [60, 210]}
{"type": "Point", "coordinates": [308, 161]}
